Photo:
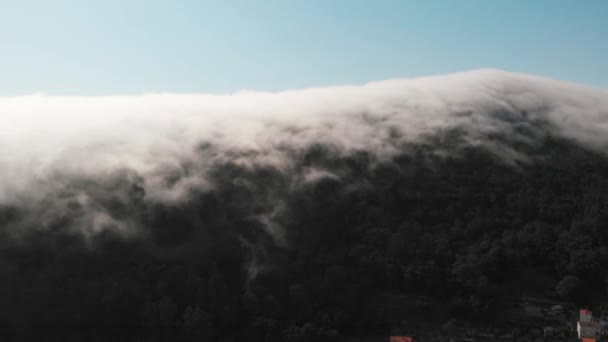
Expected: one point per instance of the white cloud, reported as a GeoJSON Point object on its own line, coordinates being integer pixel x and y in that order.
{"type": "Point", "coordinates": [155, 134]}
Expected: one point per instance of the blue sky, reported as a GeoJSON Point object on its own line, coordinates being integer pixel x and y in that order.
{"type": "Point", "coordinates": [77, 47]}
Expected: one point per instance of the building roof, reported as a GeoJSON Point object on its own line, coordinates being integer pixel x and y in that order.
{"type": "Point", "coordinates": [401, 339]}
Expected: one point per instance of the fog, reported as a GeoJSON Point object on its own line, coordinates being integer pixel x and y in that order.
{"type": "Point", "coordinates": [62, 152]}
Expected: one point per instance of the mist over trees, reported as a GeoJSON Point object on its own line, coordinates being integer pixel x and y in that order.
{"type": "Point", "coordinates": [315, 215]}
{"type": "Point", "coordinates": [265, 256]}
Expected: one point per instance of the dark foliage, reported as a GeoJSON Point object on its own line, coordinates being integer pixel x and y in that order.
{"type": "Point", "coordinates": [267, 257]}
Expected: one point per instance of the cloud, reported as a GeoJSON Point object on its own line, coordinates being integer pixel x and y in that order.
{"type": "Point", "coordinates": [79, 158]}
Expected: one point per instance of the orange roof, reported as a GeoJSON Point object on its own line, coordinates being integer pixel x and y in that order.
{"type": "Point", "coordinates": [588, 339]}
{"type": "Point", "coordinates": [401, 339]}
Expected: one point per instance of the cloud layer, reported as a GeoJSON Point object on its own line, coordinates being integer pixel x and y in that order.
{"type": "Point", "coordinates": [61, 155]}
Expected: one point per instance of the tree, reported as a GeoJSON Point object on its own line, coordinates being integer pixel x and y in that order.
{"type": "Point", "coordinates": [568, 286]}
{"type": "Point", "coordinates": [195, 325]}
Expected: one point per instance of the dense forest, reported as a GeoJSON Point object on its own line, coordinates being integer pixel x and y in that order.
{"type": "Point", "coordinates": [313, 254]}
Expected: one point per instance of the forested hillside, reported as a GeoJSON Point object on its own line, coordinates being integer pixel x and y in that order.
{"type": "Point", "coordinates": [312, 215]}
{"type": "Point", "coordinates": [463, 228]}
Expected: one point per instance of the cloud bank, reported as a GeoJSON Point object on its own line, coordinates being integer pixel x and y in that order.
{"type": "Point", "coordinates": [82, 157]}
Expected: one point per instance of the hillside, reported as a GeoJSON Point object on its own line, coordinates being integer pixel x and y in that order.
{"type": "Point", "coordinates": [304, 215]}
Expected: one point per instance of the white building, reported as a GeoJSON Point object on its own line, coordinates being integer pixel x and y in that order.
{"type": "Point", "coordinates": [587, 326]}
